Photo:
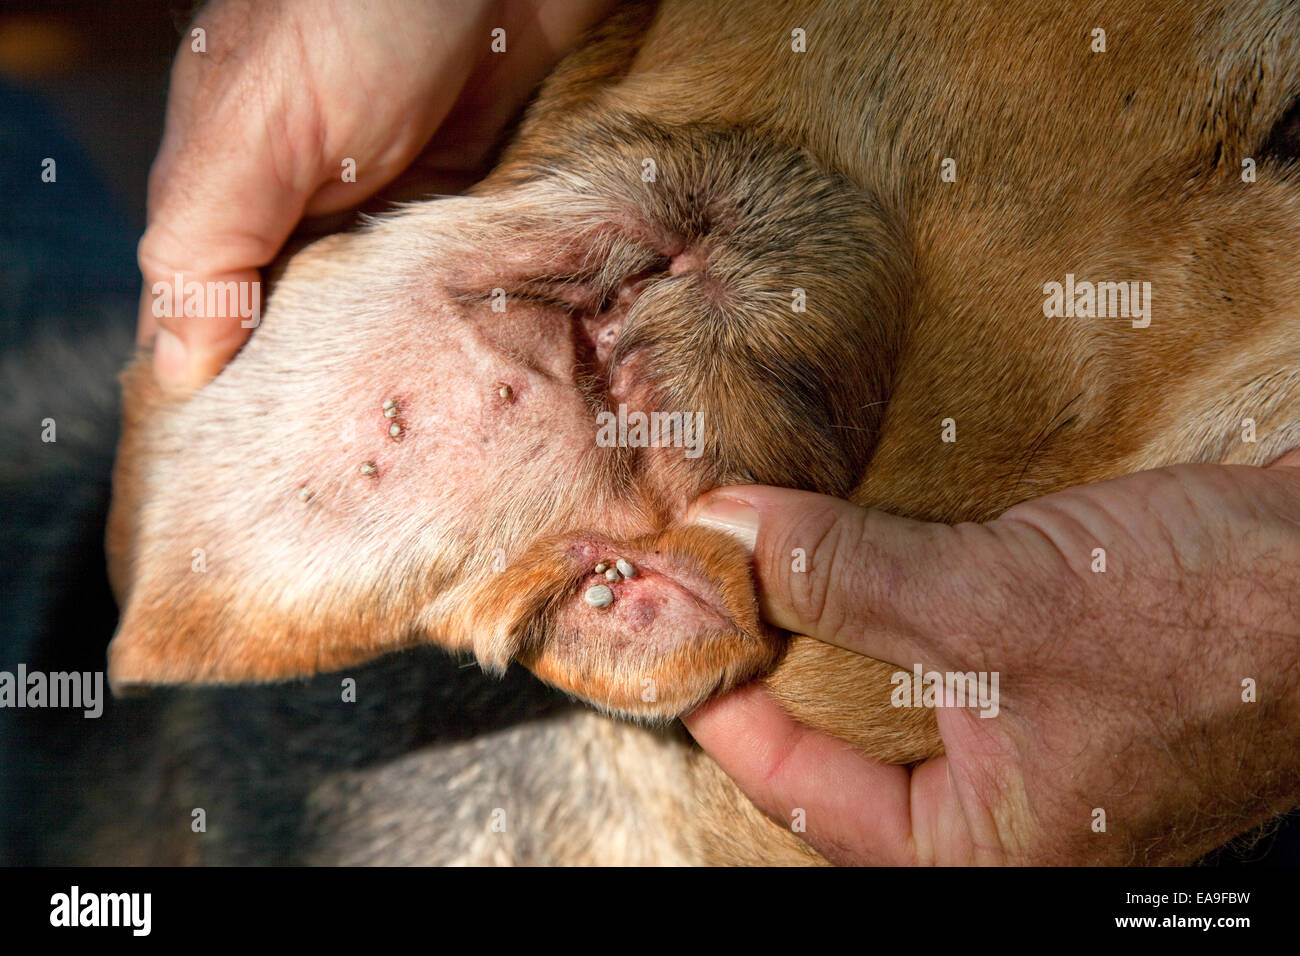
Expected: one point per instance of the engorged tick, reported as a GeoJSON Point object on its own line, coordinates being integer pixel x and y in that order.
{"type": "Point", "coordinates": [599, 596]}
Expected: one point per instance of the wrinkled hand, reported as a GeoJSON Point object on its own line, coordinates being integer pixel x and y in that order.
{"type": "Point", "coordinates": [260, 122]}
{"type": "Point", "coordinates": [1125, 692]}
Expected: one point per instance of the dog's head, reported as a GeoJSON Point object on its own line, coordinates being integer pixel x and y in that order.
{"type": "Point", "coordinates": [781, 253]}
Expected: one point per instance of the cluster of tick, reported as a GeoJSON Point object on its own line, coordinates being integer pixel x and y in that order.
{"type": "Point", "coordinates": [601, 595]}
{"type": "Point", "coordinates": [391, 410]}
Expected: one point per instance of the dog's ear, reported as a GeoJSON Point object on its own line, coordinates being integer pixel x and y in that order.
{"type": "Point", "coordinates": [252, 536]}
{"type": "Point", "coordinates": [216, 585]}
{"type": "Point", "coordinates": [271, 525]}
{"type": "Point", "coordinates": [186, 617]}
{"type": "Point", "coordinates": [194, 607]}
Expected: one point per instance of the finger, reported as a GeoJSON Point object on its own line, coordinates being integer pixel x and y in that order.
{"type": "Point", "coordinates": [852, 809]}
{"type": "Point", "coordinates": [217, 212]}
{"type": "Point", "coordinates": [870, 582]}
{"type": "Point", "coordinates": [246, 150]}
{"type": "Point", "coordinates": [190, 350]}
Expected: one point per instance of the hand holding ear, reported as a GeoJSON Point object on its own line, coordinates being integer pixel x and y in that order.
{"type": "Point", "coordinates": [1147, 713]}
{"type": "Point", "coordinates": [306, 107]}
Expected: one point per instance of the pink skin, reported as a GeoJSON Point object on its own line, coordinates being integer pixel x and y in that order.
{"type": "Point", "coordinates": [680, 601]}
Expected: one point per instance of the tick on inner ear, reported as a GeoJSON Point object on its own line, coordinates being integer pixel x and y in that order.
{"type": "Point", "coordinates": [505, 391]}
{"type": "Point", "coordinates": [368, 468]}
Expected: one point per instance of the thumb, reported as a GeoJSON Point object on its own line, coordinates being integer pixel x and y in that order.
{"type": "Point", "coordinates": [215, 216]}
{"type": "Point", "coordinates": [855, 577]}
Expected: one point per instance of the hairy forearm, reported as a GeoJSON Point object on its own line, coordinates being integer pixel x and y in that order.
{"type": "Point", "coordinates": [1191, 730]}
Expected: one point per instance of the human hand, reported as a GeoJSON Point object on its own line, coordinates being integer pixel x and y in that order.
{"type": "Point", "coordinates": [260, 123]}
{"type": "Point", "coordinates": [1120, 691]}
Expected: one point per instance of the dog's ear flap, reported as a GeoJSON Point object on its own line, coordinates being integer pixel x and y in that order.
{"type": "Point", "coordinates": [192, 610]}
{"type": "Point", "coordinates": [204, 639]}
{"type": "Point", "coordinates": [164, 640]}
{"type": "Point", "coordinates": [194, 627]}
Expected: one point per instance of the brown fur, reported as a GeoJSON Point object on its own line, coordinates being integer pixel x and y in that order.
{"type": "Point", "coordinates": [778, 171]}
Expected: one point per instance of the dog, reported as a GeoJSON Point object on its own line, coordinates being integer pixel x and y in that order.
{"type": "Point", "coordinates": [837, 236]}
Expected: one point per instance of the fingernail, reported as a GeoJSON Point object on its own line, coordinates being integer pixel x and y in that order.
{"type": "Point", "coordinates": [730, 515]}
{"type": "Point", "coordinates": [170, 359]}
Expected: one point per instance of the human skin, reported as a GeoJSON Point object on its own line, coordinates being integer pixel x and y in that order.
{"type": "Point", "coordinates": [259, 124]}
{"type": "Point", "coordinates": [1120, 691]}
